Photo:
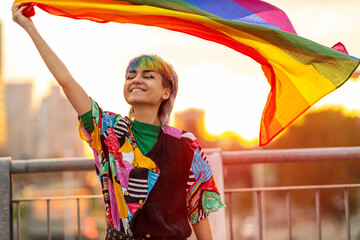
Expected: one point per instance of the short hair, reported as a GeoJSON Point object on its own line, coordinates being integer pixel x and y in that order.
{"type": "Point", "coordinates": [169, 80]}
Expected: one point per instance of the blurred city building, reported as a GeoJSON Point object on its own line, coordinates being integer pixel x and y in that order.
{"type": "Point", "coordinates": [56, 128]}
{"type": "Point", "coordinates": [3, 127]}
{"type": "Point", "coordinates": [18, 111]}
{"type": "Point", "coordinates": [49, 131]}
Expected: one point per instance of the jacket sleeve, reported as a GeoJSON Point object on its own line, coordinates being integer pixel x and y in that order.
{"type": "Point", "coordinates": [92, 137]}
{"type": "Point", "coordinates": [202, 194]}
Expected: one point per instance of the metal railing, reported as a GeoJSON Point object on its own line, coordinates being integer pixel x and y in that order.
{"type": "Point", "coordinates": [8, 168]}
{"type": "Point", "coordinates": [48, 199]}
{"type": "Point", "coordinates": [259, 192]}
{"type": "Point", "coordinates": [291, 156]}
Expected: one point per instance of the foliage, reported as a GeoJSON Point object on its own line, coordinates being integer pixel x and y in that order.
{"type": "Point", "coordinates": [330, 127]}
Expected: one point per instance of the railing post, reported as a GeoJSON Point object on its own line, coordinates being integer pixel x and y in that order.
{"type": "Point", "coordinates": [347, 213]}
{"type": "Point", "coordinates": [5, 200]}
{"type": "Point", "coordinates": [260, 216]}
{"type": "Point", "coordinates": [318, 212]}
{"type": "Point", "coordinates": [48, 218]}
{"type": "Point", "coordinates": [288, 209]}
{"type": "Point", "coordinates": [78, 218]}
{"type": "Point", "coordinates": [230, 217]}
{"type": "Point", "coordinates": [18, 220]}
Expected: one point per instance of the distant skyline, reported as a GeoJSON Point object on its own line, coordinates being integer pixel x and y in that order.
{"type": "Point", "coordinates": [40, 133]}
{"type": "Point", "coordinates": [210, 74]}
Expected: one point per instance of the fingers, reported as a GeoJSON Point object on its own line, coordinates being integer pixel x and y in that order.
{"type": "Point", "coordinates": [19, 17]}
{"type": "Point", "coordinates": [17, 10]}
{"type": "Point", "coordinates": [21, 9]}
{"type": "Point", "coordinates": [15, 7]}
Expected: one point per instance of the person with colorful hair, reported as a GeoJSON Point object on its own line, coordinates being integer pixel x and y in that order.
{"type": "Point", "coordinates": [155, 178]}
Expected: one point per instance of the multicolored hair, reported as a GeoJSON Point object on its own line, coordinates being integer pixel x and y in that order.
{"type": "Point", "coordinates": [169, 80]}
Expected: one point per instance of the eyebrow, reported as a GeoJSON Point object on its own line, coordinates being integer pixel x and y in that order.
{"type": "Point", "coordinates": [144, 71]}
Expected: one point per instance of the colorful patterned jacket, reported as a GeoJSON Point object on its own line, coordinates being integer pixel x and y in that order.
{"type": "Point", "coordinates": [154, 194]}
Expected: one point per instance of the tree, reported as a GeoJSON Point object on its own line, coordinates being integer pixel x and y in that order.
{"type": "Point", "coordinates": [326, 128]}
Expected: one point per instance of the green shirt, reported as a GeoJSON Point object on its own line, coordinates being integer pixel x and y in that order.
{"type": "Point", "coordinates": [146, 135]}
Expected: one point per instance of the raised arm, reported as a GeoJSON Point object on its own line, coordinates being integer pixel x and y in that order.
{"type": "Point", "coordinates": [73, 91]}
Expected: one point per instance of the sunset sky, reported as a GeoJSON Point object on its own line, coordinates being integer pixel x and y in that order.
{"type": "Point", "coordinates": [229, 86]}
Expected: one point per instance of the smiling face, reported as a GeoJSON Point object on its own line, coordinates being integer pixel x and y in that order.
{"type": "Point", "coordinates": [158, 69]}
{"type": "Point", "coordinates": [143, 87]}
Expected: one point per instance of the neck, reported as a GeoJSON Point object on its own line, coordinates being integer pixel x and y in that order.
{"type": "Point", "coordinates": [147, 115]}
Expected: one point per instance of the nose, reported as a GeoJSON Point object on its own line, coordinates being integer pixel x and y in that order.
{"type": "Point", "coordinates": [137, 80]}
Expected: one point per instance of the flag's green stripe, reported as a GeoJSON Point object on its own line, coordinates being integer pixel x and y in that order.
{"type": "Point", "coordinates": [333, 65]}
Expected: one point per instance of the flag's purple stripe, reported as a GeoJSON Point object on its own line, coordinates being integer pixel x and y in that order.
{"type": "Point", "coordinates": [269, 13]}
{"type": "Point", "coordinates": [255, 19]}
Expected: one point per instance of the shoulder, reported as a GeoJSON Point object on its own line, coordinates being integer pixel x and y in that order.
{"type": "Point", "coordinates": [108, 119]}
{"type": "Point", "coordinates": [178, 133]}
{"type": "Point", "coordinates": [183, 136]}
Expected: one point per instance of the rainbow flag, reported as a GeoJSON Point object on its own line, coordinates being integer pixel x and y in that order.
{"type": "Point", "coordinates": [299, 71]}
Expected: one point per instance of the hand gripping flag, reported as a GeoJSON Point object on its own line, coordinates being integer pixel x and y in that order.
{"type": "Point", "coordinates": [299, 71]}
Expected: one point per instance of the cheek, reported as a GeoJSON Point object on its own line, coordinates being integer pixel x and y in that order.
{"type": "Point", "coordinates": [126, 86]}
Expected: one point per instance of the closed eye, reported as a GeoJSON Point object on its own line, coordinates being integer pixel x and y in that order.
{"type": "Point", "coordinates": [149, 76]}
{"type": "Point", "coordinates": [146, 74]}
{"type": "Point", "coordinates": [130, 76]}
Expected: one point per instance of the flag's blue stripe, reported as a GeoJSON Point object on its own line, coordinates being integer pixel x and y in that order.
{"type": "Point", "coordinates": [227, 9]}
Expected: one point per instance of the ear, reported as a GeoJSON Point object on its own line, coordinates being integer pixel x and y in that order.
{"type": "Point", "coordinates": [166, 94]}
